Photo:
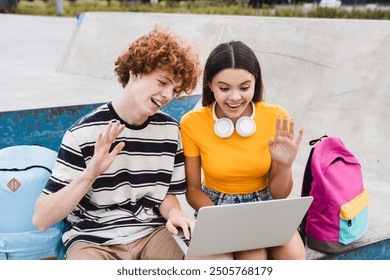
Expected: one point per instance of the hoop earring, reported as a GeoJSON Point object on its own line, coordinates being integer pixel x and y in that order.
{"type": "Point", "coordinates": [224, 127]}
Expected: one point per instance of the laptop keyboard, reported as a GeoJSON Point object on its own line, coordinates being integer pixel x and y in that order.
{"type": "Point", "coordinates": [186, 241]}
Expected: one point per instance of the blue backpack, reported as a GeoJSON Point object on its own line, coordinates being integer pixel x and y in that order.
{"type": "Point", "coordinates": [24, 172]}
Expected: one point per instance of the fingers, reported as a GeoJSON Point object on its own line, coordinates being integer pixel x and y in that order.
{"type": "Point", "coordinates": [186, 232]}
{"type": "Point", "coordinates": [283, 130]}
{"type": "Point", "coordinates": [118, 148]}
{"type": "Point", "coordinates": [99, 139]}
{"type": "Point", "coordinates": [171, 228]}
{"type": "Point", "coordinates": [114, 129]}
{"type": "Point", "coordinates": [278, 129]}
{"type": "Point", "coordinates": [291, 132]}
{"type": "Point", "coordinates": [272, 141]}
{"type": "Point", "coordinates": [111, 132]}
{"type": "Point", "coordinates": [300, 136]}
{"type": "Point", "coordinates": [282, 127]}
{"type": "Point", "coordinates": [187, 226]}
{"type": "Point", "coordinates": [106, 132]}
{"type": "Point", "coordinates": [118, 128]}
{"type": "Point", "coordinates": [285, 127]}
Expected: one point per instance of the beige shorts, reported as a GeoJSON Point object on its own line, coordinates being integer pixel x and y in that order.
{"type": "Point", "coordinates": [159, 245]}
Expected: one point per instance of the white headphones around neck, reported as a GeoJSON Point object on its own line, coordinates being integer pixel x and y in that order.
{"type": "Point", "coordinates": [224, 127]}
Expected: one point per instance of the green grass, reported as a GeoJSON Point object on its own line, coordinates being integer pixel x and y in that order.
{"type": "Point", "coordinates": [353, 14]}
{"type": "Point", "coordinates": [39, 7]}
{"type": "Point", "coordinates": [48, 7]}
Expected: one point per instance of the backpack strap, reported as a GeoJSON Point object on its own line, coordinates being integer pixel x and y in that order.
{"type": "Point", "coordinates": [308, 177]}
{"type": "Point", "coordinates": [306, 186]}
{"type": "Point", "coordinates": [314, 141]}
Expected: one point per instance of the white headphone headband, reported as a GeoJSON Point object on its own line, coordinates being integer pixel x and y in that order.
{"type": "Point", "coordinates": [224, 127]}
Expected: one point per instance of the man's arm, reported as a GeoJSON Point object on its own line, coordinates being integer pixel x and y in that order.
{"type": "Point", "coordinates": [52, 208]}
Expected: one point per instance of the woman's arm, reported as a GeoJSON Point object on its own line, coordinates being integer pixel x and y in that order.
{"type": "Point", "coordinates": [283, 151]}
{"type": "Point", "coordinates": [195, 195]}
{"type": "Point", "coordinates": [280, 180]}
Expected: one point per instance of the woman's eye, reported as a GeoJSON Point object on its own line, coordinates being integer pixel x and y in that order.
{"type": "Point", "coordinates": [224, 89]}
{"type": "Point", "coordinates": [245, 88]}
{"type": "Point", "coordinates": [162, 82]}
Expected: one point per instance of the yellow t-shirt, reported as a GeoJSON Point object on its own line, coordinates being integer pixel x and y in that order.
{"type": "Point", "coordinates": [236, 164]}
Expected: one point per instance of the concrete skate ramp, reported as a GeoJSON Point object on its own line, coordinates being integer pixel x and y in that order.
{"type": "Point", "coordinates": [331, 75]}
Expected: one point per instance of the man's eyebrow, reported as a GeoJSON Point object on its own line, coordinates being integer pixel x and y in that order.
{"type": "Point", "coordinates": [166, 77]}
{"type": "Point", "coordinates": [170, 81]}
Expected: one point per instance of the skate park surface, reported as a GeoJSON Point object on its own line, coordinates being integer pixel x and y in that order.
{"type": "Point", "coordinates": [331, 75]}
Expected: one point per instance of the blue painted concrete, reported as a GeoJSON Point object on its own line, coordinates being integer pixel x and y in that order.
{"type": "Point", "coordinates": [47, 126]}
{"type": "Point", "coordinates": [44, 127]}
{"type": "Point", "coordinates": [376, 251]}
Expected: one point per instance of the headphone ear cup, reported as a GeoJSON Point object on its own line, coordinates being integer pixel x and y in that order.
{"type": "Point", "coordinates": [224, 128]}
{"type": "Point", "coordinates": [245, 126]}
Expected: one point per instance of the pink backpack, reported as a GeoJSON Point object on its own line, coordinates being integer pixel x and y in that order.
{"type": "Point", "coordinates": [338, 215]}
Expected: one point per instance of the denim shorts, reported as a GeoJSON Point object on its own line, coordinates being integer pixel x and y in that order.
{"type": "Point", "coordinates": [219, 198]}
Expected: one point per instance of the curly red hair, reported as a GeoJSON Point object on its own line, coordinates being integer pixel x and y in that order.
{"type": "Point", "coordinates": [160, 49]}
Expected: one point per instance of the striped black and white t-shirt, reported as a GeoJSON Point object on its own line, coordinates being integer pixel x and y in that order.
{"type": "Point", "coordinates": [122, 205]}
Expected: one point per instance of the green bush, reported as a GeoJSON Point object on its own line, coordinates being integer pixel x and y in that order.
{"type": "Point", "coordinates": [289, 12]}
{"type": "Point", "coordinates": [353, 14]}
{"type": "Point", "coordinates": [223, 7]}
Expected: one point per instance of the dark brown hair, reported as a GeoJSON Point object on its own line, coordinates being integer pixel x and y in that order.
{"type": "Point", "coordinates": [234, 54]}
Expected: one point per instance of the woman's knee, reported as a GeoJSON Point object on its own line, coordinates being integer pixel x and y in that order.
{"type": "Point", "coordinates": [256, 254]}
{"type": "Point", "coordinates": [294, 250]}
{"type": "Point", "coordinates": [225, 256]}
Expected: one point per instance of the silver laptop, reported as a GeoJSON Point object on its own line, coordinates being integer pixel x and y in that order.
{"type": "Point", "coordinates": [244, 226]}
